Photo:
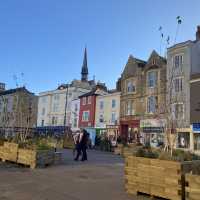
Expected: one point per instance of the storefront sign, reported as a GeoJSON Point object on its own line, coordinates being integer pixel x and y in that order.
{"type": "Point", "coordinates": [152, 123]}
{"type": "Point", "coordinates": [153, 129]}
{"type": "Point", "coordinates": [196, 127]}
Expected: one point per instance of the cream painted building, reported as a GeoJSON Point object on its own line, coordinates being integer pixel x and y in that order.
{"type": "Point", "coordinates": [107, 110]}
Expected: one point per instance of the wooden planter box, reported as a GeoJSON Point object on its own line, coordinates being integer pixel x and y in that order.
{"type": "Point", "coordinates": [35, 158]}
{"type": "Point", "coordinates": [192, 187]}
{"type": "Point", "coordinates": [8, 152]}
{"type": "Point", "coordinates": [55, 144]}
{"type": "Point", "coordinates": [156, 177]}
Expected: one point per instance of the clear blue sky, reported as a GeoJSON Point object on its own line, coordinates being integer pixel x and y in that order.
{"type": "Point", "coordinates": [45, 39]}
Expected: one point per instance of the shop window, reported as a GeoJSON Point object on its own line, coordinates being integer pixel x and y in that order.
{"type": "Point", "coordinates": [184, 140]}
{"type": "Point", "coordinates": [196, 141]}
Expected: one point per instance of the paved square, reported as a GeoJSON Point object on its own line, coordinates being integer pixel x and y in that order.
{"type": "Point", "coordinates": [100, 178]}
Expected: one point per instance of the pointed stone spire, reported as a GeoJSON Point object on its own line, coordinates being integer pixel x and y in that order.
{"type": "Point", "coordinates": [84, 71]}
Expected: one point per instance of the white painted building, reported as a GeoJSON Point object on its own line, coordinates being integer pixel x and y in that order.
{"type": "Point", "coordinates": [52, 104]}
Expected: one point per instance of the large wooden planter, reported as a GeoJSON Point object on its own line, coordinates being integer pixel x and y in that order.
{"type": "Point", "coordinates": [192, 187]}
{"type": "Point", "coordinates": [156, 177]}
{"type": "Point", "coordinates": [35, 158]}
{"type": "Point", "coordinates": [9, 152]}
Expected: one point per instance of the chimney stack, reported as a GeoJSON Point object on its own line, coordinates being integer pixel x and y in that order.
{"type": "Point", "coordinates": [2, 87]}
{"type": "Point", "coordinates": [198, 33]}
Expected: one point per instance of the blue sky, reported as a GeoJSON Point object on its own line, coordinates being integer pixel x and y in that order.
{"type": "Point", "coordinates": [45, 39]}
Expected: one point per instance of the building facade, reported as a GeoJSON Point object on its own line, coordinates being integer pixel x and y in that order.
{"type": "Point", "coordinates": [108, 113]}
{"type": "Point", "coordinates": [183, 61]}
{"type": "Point", "coordinates": [132, 102]}
{"type": "Point", "coordinates": [18, 108]}
{"type": "Point", "coordinates": [195, 112]}
{"type": "Point", "coordinates": [153, 121]}
{"type": "Point", "coordinates": [54, 107]}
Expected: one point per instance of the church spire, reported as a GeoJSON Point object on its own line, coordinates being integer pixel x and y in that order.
{"type": "Point", "coordinates": [84, 71]}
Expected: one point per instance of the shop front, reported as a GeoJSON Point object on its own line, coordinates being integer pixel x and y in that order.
{"type": "Point", "coordinates": [152, 132]}
{"type": "Point", "coordinates": [196, 137]}
{"type": "Point", "coordinates": [129, 130]}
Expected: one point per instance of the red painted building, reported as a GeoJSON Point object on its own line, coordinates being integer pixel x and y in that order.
{"type": "Point", "coordinates": [87, 110]}
{"type": "Point", "coordinates": [88, 106]}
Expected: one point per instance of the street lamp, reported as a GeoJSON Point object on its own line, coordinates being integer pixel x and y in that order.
{"type": "Point", "coordinates": [66, 102]}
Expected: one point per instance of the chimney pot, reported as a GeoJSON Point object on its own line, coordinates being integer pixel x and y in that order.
{"type": "Point", "coordinates": [2, 87]}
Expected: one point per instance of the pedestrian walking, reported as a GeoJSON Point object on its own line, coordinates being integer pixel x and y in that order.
{"type": "Point", "coordinates": [82, 145]}
{"type": "Point", "coordinates": [77, 148]}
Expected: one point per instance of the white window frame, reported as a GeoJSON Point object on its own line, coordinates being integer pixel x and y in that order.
{"type": "Point", "coordinates": [84, 101]}
{"type": "Point", "coordinates": [101, 105]}
{"type": "Point", "coordinates": [174, 114]}
{"type": "Point", "coordinates": [113, 114]}
{"type": "Point", "coordinates": [89, 100]}
{"type": "Point", "coordinates": [114, 100]}
{"type": "Point", "coordinates": [179, 64]}
{"type": "Point", "coordinates": [178, 84]}
{"type": "Point", "coordinates": [84, 116]}
{"type": "Point", "coordinates": [101, 118]}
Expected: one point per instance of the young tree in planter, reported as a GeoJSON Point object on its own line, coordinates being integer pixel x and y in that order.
{"type": "Point", "coordinates": [174, 105]}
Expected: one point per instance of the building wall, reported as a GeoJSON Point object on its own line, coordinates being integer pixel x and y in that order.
{"type": "Point", "coordinates": [107, 110]}
{"type": "Point", "coordinates": [53, 102]}
{"type": "Point", "coordinates": [195, 55]}
{"type": "Point", "coordinates": [18, 109]}
{"type": "Point", "coordinates": [184, 96]}
{"type": "Point", "coordinates": [132, 72]}
{"type": "Point", "coordinates": [87, 107]}
{"type": "Point", "coordinates": [195, 101]}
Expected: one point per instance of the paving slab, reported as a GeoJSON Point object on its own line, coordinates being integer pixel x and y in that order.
{"type": "Point", "coordinates": [99, 178]}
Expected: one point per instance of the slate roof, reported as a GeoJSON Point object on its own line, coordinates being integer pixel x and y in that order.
{"type": "Point", "coordinates": [12, 91]}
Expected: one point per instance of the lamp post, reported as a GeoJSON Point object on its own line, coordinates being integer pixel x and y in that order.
{"type": "Point", "coordinates": [66, 102]}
